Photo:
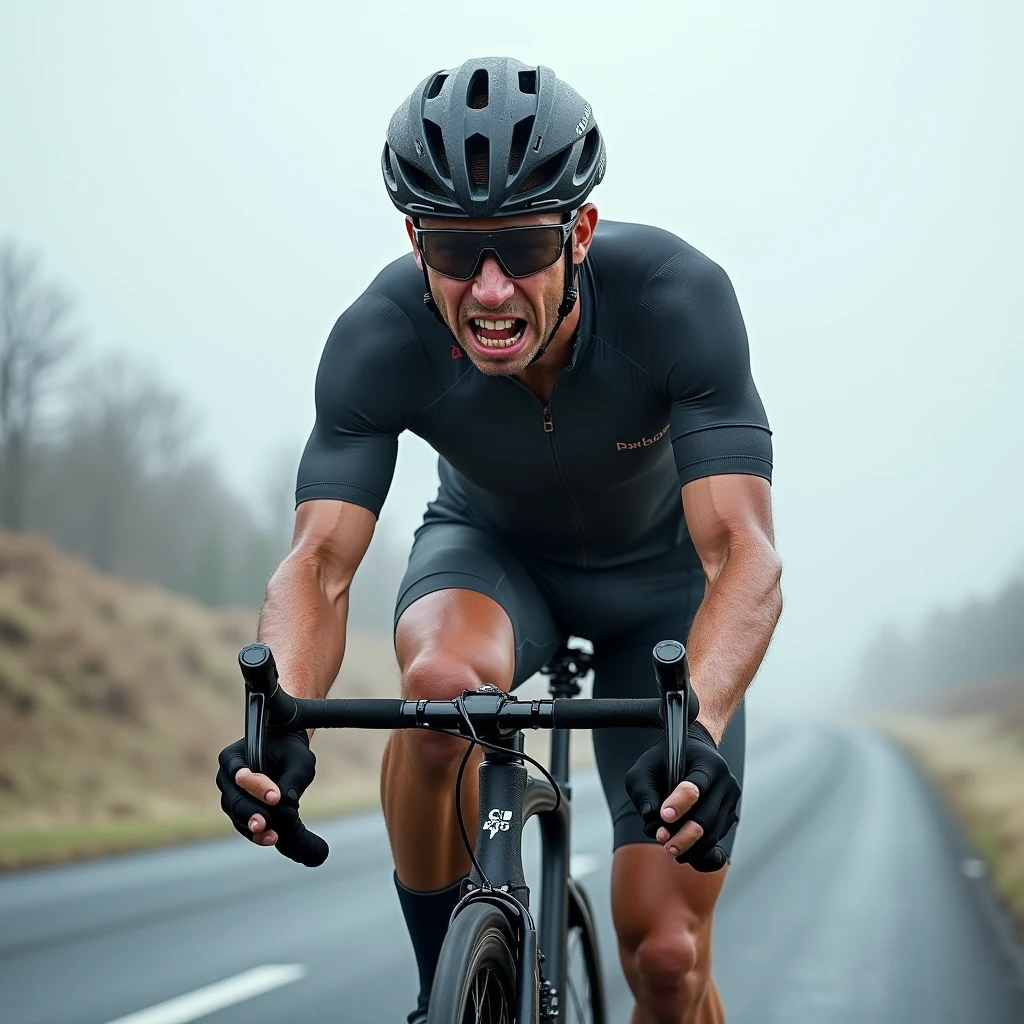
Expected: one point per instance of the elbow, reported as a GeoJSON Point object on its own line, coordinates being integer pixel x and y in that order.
{"type": "Point", "coordinates": [763, 567]}
{"type": "Point", "coordinates": [314, 563]}
{"type": "Point", "coordinates": [776, 583]}
{"type": "Point", "coordinates": [770, 572]}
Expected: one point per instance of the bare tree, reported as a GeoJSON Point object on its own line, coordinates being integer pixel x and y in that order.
{"type": "Point", "coordinates": [127, 435]}
{"type": "Point", "coordinates": [35, 337]}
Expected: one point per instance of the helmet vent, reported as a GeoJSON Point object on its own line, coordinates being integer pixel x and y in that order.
{"type": "Point", "coordinates": [422, 181]}
{"type": "Point", "coordinates": [528, 82]}
{"type": "Point", "coordinates": [389, 171]}
{"type": "Point", "coordinates": [434, 88]}
{"type": "Point", "coordinates": [541, 176]}
{"type": "Point", "coordinates": [520, 141]}
{"type": "Point", "coordinates": [476, 96]}
{"type": "Point", "coordinates": [478, 159]}
{"type": "Point", "coordinates": [587, 156]}
{"type": "Point", "coordinates": [435, 143]}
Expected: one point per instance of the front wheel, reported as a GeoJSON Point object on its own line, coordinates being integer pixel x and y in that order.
{"type": "Point", "coordinates": [475, 981]}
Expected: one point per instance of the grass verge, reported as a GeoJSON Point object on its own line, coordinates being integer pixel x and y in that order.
{"type": "Point", "coordinates": [979, 767]}
{"type": "Point", "coordinates": [23, 848]}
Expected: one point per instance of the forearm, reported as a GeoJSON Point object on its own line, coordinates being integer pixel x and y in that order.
{"type": "Point", "coordinates": [732, 630]}
{"type": "Point", "coordinates": [303, 622]}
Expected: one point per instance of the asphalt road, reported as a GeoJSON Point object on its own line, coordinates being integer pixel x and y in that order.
{"type": "Point", "coordinates": [849, 900]}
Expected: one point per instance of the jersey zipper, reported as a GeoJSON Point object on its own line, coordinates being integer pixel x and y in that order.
{"type": "Point", "coordinates": [549, 429]}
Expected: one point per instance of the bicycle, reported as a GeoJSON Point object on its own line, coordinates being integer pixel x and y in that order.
{"type": "Point", "coordinates": [496, 966]}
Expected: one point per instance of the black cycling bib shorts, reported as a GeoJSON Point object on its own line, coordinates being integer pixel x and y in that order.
{"type": "Point", "coordinates": [568, 515]}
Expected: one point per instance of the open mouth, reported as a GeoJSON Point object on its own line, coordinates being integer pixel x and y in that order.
{"type": "Point", "coordinates": [495, 336]}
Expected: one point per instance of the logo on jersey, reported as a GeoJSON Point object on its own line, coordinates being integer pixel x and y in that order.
{"type": "Point", "coordinates": [498, 821]}
{"type": "Point", "coordinates": [584, 120]}
{"type": "Point", "coordinates": [628, 446]}
{"type": "Point", "coordinates": [456, 352]}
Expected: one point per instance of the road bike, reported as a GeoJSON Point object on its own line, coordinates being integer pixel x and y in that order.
{"type": "Point", "coordinates": [497, 964]}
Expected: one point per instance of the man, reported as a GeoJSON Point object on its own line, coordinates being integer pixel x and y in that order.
{"type": "Point", "coordinates": [604, 465]}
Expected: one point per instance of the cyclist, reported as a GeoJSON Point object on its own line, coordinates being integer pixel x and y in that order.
{"type": "Point", "coordinates": [604, 472]}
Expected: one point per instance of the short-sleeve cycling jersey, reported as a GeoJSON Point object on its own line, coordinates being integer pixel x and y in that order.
{"type": "Point", "coordinates": [658, 393]}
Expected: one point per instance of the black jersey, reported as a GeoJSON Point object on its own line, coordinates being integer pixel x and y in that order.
{"type": "Point", "coordinates": [658, 393]}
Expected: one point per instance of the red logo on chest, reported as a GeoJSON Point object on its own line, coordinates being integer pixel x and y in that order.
{"type": "Point", "coordinates": [456, 352]}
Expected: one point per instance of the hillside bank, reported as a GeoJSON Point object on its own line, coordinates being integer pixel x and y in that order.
{"type": "Point", "coordinates": [115, 698]}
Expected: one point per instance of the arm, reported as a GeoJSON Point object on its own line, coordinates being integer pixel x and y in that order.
{"type": "Point", "coordinates": [362, 398]}
{"type": "Point", "coordinates": [723, 453]}
{"type": "Point", "coordinates": [730, 522]}
{"type": "Point", "coordinates": [303, 619]}
{"type": "Point", "coordinates": [306, 608]}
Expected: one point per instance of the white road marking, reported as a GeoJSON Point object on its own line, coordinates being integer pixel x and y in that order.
{"type": "Point", "coordinates": [582, 864]}
{"type": "Point", "coordinates": [220, 994]}
{"type": "Point", "coordinates": [973, 868]}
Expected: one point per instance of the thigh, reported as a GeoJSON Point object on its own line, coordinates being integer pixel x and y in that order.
{"type": "Point", "coordinates": [622, 668]}
{"type": "Point", "coordinates": [448, 558]}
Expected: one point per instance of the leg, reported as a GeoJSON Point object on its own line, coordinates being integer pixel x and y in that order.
{"type": "Point", "coordinates": [663, 916]}
{"type": "Point", "coordinates": [447, 642]}
{"type": "Point", "coordinates": [467, 614]}
{"type": "Point", "coordinates": [662, 910]}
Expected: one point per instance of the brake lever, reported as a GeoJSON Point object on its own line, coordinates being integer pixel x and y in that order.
{"type": "Point", "coordinates": [260, 674]}
{"type": "Point", "coordinates": [255, 729]}
{"type": "Point", "coordinates": [679, 705]}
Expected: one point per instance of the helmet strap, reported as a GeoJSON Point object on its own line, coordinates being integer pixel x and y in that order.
{"type": "Point", "coordinates": [569, 298]}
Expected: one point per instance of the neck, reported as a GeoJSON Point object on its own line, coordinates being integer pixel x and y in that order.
{"type": "Point", "coordinates": [540, 376]}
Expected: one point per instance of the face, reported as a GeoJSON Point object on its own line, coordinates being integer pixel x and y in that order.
{"type": "Point", "coordinates": [478, 311]}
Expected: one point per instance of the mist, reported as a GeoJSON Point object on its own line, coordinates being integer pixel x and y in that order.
{"type": "Point", "coordinates": [206, 178]}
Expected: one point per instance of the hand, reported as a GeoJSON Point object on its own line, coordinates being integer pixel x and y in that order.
{"type": "Point", "coordinates": [265, 808]}
{"type": "Point", "coordinates": [691, 821]}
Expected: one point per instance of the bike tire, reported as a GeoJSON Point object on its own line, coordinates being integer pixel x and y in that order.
{"type": "Point", "coordinates": [475, 982]}
{"type": "Point", "coordinates": [583, 1001]}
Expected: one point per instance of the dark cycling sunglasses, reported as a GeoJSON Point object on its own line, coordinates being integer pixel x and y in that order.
{"type": "Point", "coordinates": [520, 251]}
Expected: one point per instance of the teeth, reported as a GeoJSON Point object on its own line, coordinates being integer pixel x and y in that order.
{"type": "Point", "coordinates": [494, 325]}
{"type": "Point", "coordinates": [499, 343]}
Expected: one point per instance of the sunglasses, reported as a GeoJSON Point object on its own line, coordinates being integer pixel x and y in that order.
{"type": "Point", "coordinates": [520, 251]}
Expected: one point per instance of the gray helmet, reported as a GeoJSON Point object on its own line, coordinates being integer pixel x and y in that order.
{"type": "Point", "coordinates": [492, 138]}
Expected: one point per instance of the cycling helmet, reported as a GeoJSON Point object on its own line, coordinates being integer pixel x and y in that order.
{"type": "Point", "coordinates": [492, 138]}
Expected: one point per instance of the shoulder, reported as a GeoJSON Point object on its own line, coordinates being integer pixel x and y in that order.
{"type": "Point", "coordinates": [390, 310]}
{"type": "Point", "coordinates": [388, 321]}
{"type": "Point", "coordinates": [386, 348]}
{"type": "Point", "coordinates": [645, 275]}
{"type": "Point", "coordinates": [657, 293]}
{"type": "Point", "coordinates": [634, 260]}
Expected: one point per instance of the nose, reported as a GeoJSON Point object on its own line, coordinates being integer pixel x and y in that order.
{"type": "Point", "coordinates": [491, 286]}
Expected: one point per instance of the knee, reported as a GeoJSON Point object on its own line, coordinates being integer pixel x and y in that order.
{"type": "Point", "coordinates": [668, 963]}
{"type": "Point", "coordinates": [436, 677]}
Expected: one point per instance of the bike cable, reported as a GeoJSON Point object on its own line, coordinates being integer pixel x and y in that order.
{"type": "Point", "coordinates": [486, 745]}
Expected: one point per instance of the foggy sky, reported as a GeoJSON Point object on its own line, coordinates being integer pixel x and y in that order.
{"type": "Point", "coordinates": [205, 176]}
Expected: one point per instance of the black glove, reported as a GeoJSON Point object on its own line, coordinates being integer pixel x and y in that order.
{"type": "Point", "coordinates": [292, 765]}
{"type": "Point", "coordinates": [715, 809]}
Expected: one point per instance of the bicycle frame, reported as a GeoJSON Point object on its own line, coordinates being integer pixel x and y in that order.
{"type": "Point", "coordinates": [509, 797]}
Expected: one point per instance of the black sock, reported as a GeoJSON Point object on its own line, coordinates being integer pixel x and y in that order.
{"type": "Point", "coordinates": [426, 916]}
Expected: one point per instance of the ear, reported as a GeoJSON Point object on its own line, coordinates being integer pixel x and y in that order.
{"type": "Point", "coordinates": [409, 229]}
{"type": "Point", "coordinates": [586, 223]}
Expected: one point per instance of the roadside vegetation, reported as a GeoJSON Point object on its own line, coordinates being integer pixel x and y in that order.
{"type": "Point", "coordinates": [953, 694]}
{"type": "Point", "coordinates": [115, 698]}
{"type": "Point", "coordinates": [124, 564]}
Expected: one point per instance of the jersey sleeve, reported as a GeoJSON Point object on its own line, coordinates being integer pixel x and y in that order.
{"type": "Point", "coordinates": [361, 406]}
{"type": "Point", "coordinates": [700, 357]}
